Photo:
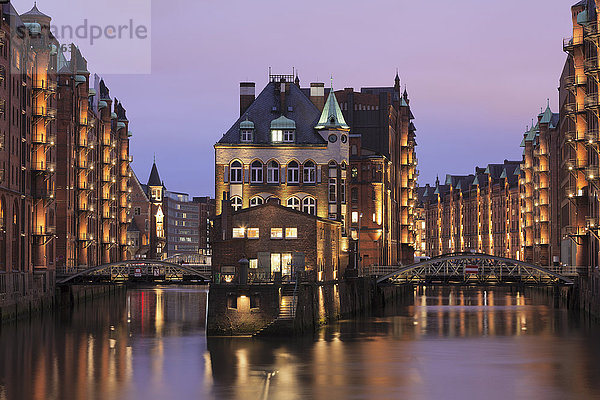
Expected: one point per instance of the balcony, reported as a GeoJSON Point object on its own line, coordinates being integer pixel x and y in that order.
{"type": "Point", "coordinates": [591, 136]}
{"type": "Point", "coordinates": [107, 141]}
{"type": "Point", "coordinates": [105, 176]}
{"type": "Point", "coordinates": [592, 223]}
{"type": "Point", "coordinates": [85, 207]}
{"type": "Point", "coordinates": [44, 139]}
{"type": "Point", "coordinates": [590, 66]}
{"type": "Point", "coordinates": [43, 166]}
{"type": "Point", "coordinates": [573, 136]}
{"type": "Point", "coordinates": [85, 237]}
{"type": "Point", "coordinates": [44, 230]}
{"type": "Point", "coordinates": [572, 108]}
{"type": "Point", "coordinates": [45, 86]}
{"type": "Point", "coordinates": [44, 193]}
{"type": "Point", "coordinates": [592, 101]}
{"type": "Point", "coordinates": [575, 164]}
{"type": "Point", "coordinates": [44, 112]}
{"type": "Point", "coordinates": [591, 31]}
{"type": "Point", "coordinates": [572, 192]}
{"type": "Point", "coordinates": [575, 80]}
{"type": "Point", "coordinates": [83, 185]}
{"type": "Point", "coordinates": [592, 173]}
{"type": "Point", "coordinates": [574, 231]}
{"type": "Point", "coordinates": [570, 43]}
{"type": "Point", "coordinates": [109, 215]}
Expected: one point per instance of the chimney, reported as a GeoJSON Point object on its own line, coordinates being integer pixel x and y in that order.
{"type": "Point", "coordinates": [317, 94]}
{"type": "Point", "coordinates": [247, 95]}
{"type": "Point", "coordinates": [226, 210]}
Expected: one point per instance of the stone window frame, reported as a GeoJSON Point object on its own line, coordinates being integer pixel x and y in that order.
{"type": "Point", "coordinates": [293, 168]}
{"type": "Point", "coordinates": [256, 201]}
{"type": "Point", "coordinates": [236, 169]}
{"type": "Point", "coordinates": [256, 172]}
{"type": "Point", "coordinates": [294, 203]}
{"type": "Point", "coordinates": [307, 203]}
{"type": "Point", "coordinates": [236, 203]}
{"type": "Point", "coordinates": [273, 171]}
{"type": "Point", "coordinates": [310, 171]}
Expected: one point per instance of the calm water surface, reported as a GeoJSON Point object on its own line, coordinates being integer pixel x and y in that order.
{"type": "Point", "coordinates": [455, 343]}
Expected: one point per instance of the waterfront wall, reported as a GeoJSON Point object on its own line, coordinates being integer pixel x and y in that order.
{"type": "Point", "coordinates": [245, 310]}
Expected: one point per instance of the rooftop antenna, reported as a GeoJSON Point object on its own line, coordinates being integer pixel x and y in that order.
{"type": "Point", "coordinates": [154, 158]}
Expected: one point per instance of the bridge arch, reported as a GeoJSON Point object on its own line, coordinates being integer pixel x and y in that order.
{"type": "Point", "coordinates": [122, 270]}
{"type": "Point", "coordinates": [455, 267]}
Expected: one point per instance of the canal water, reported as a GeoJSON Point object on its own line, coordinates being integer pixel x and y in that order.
{"type": "Point", "coordinates": [459, 343]}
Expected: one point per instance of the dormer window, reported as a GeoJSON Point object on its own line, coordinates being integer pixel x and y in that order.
{"type": "Point", "coordinates": [283, 130]}
{"type": "Point", "coordinates": [246, 131]}
{"type": "Point", "coordinates": [246, 136]}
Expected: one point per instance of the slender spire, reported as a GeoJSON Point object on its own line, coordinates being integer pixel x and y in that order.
{"type": "Point", "coordinates": [332, 116]}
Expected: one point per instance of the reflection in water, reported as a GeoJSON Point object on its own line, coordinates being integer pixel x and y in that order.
{"type": "Point", "coordinates": [449, 343]}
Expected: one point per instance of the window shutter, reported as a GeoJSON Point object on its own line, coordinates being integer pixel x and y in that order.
{"type": "Point", "coordinates": [246, 175]}
{"type": "Point", "coordinates": [318, 174]}
{"type": "Point", "coordinates": [283, 176]}
{"type": "Point", "coordinates": [226, 174]}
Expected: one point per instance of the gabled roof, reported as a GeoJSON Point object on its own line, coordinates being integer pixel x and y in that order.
{"type": "Point", "coordinates": [154, 179]}
{"type": "Point", "coordinates": [35, 13]}
{"type": "Point", "coordinates": [261, 112]}
{"type": "Point", "coordinates": [332, 117]}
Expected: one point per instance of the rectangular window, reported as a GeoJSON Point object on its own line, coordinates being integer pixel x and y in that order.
{"type": "Point", "coordinates": [291, 233]}
{"type": "Point", "coordinates": [286, 264]}
{"type": "Point", "coordinates": [253, 263]}
{"type": "Point", "coordinates": [276, 136]}
{"type": "Point", "coordinates": [276, 233]}
{"type": "Point", "coordinates": [288, 136]}
{"type": "Point", "coordinates": [275, 262]}
{"type": "Point", "coordinates": [238, 233]}
{"type": "Point", "coordinates": [137, 211]}
{"type": "Point", "coordinates": [332, 190]}
{"type": "Point", "coordinates": [343, 191]}
{"type": "Point", "coordinates": [246, 136]}
{"type": "Point", "coordinates": [355, 217]}
{"type": "Point", "coordinates": [253, 233]}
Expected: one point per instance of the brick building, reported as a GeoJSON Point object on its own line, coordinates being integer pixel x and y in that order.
{"type": "Point", "coordinates": [383, 173]}
{"type": "Point", "coordinates": [206, 210]}
{"type": "Point", "coordinates": [274, 239]}
{"type": "Point", "coordinates": [478, 212]}
{"type": "Point", "coordinates": [291, 145]}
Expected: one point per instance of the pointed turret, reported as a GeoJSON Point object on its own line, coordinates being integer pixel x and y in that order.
{"type": "Point", "coordinates": [332, 117]}
{"type": "Point", "coordinates": [154, 179]}
{"type": "Point", "coordinates": [397, 82]}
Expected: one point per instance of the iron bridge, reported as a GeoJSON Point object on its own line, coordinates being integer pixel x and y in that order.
{"type": "Point", "coordinates": [139, 270]}
{"type": "Point", "coordinates": [472, 268]}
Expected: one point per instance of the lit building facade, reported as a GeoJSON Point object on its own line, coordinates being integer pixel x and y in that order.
{"type": "Point", "coordinates": [383, 174]}
{"type": "Point", "coordinates": [289, 145]}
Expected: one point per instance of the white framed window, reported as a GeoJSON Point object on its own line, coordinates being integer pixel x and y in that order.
{"type": "Point", "coordinates": [289, 136]}
{"type": "Point", "coordinates": [253, 233]}
{"type": "Point", "coordinates": [355, 217]}
{"type": "Point", "coordinates": [309, 172]}
{"type": "Point", "coordinates": [343, 191]}
{"type": "Point", "coordinates": [235, 175]}
{"type": "Point", "coordinates": [276, 233]}
{"type": "Point", "coordinates": [332, 190]}
{"type": "Point", "coordinates": [294, 202]}
{"type": "Point", "coordinates": [276, 135]}
{"type": "Point", "coordinates": [253, 263]}
{"type": "Point", "coordinates": [236, 203]}
{"type": "Point", "coordinates": [309, 205]}
{"type": "Point", "coordinates": [256, 201]}
{"type": "Point", "coordinates": [239, 233]}
{"type": "Point", "coordinates": [273, 172]}
{"type": "Point", "coordinates": [246, 135]}
{"type": "Point", "coordinates": [256, 172]}
{"type": "Point", "coordinates": [293, 172]}
{"type": "Point", "coordinates": [291, 233]}
{"type": "Point", "coordinates": [275, 262]}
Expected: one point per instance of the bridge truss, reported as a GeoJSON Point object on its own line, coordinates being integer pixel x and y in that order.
{"type": "Point", "coordinates": [469, 268]}
{"type": "Point", "coordinates": [140, 270]}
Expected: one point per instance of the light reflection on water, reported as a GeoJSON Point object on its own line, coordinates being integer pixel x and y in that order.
{"type": "Point", "coordinates": [467, 343]}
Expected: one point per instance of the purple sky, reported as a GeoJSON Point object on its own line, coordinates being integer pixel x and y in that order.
{"type": "Point", "coordinates": [477, 72]}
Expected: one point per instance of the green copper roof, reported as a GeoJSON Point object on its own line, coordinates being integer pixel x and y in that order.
{"type": "Point", "coordinates": [247, 125]}
{"type": "Point", "coordinates": [476, 180]}
{"type": "Point", "coordinates": [283, 123]}
{"type": "Point", "coordinates": [332, 117]}
{"type": "Point", "coordinates": [546, 116]}
{"type": "Point", "coordinates": [120, 125]}
{"type": "Point", "coordinates": [582, 17]}
{"type": "Point", "coordinates": [102, 104]}
{"type": "Point", "coordinates": [523, 142]}
{"type": "Point", "coordinates": [504, 175]}
{"type": "Point", "coordinates": [531, 134]}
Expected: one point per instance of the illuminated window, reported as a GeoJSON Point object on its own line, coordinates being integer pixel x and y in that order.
{"type": "Point", "coordinates": [293, 172]}
{"type": "Point", "coordinates": [275, 262]}
{"type": "Point", "coordinates": [256, 201]}
{"type": "Point", "coordinates": [253, 233]}
{"type": "Point", "coordinates": [309, 205]}
{"type": "Point", "coordinates": [309, 172]}
{"type": "Point", "coordinates": [294, 202]}
{"type": "Point", "coordinates": [291, 233]}
{"type": "Point", "coordinates": [273, 172]}
{"type": "Point", "coordinates": [256, 172]}
{"type": "Point", "coordinates": [236, 203]}
{"type": "Point", "coordinates": [276, 233]}
{"type": "Point", "coordinates": [236, 172]}
{"type": "Point", "coordinates": [276, 136]}
{"type": "Point", "coordinates": [355, 217]}
{"type": "Point", "coordinates": [238, 233]}
{"type": "Point", "coordinates": [354, 174]}
{"type": "Point", "coordinates": [253, 263]}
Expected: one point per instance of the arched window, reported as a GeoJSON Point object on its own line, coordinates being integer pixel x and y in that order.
{"type": "Point", "coordinates": [256, 201]}
{"type": "Point", "coordinates": [256, 172]}
{"type": "Point", "coordinates": [309, 205]}
{"type": "Point", "coordinates": [309, 172]}
{"type": "Point", "coordinates": [236, 203]}
{"type": "Point", "coordinates": [273, 172]}
{"type": "Point", "coordinates": [236, 172]}
{"type": "Point", "coordinates": [294, 202]}
{"type": "Point", "coordinates": [293, 172]}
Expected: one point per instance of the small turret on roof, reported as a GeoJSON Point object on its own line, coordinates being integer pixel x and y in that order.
{"type": "Point", "coordinates": [154, 179]}
{"type": "Point", "coordinates": [332, 117]}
